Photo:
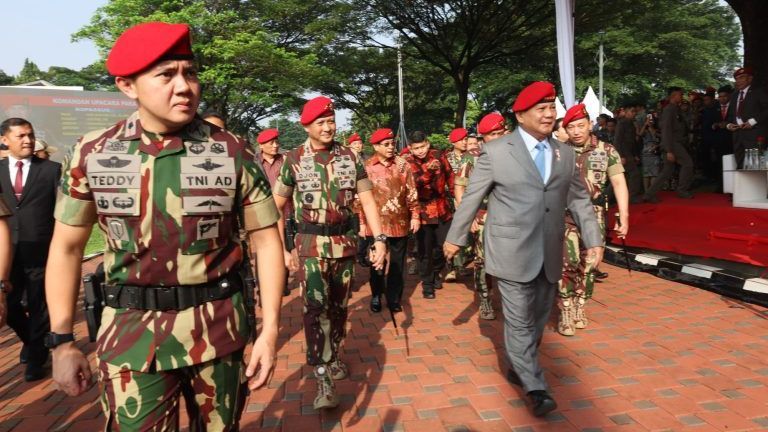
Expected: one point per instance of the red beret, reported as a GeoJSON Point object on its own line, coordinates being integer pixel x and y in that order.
{"type": "Point", "coordinates": [537, 92]}
{"type": "Point", "coordinates": [576, 112]}
{"type": "Point", "coordinates": [354, 137]}
{"type": "Point", "coordinates": [143, 45]}
{"type": "Point", "coordinates": [457, 134]}
{"type": "Point", "coordinates": [381, 135]}
{"type": "Point", "coordinates": [315, 108]}
{"type": "Point", "coordinates": [490, 123]}
{"type": "Point", "coordinates": [267, 135]}
{"type": "Point", "coordinates": [743, 70]}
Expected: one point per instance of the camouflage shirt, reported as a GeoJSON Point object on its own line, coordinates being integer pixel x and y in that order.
{"type": "Point", "coordinates": [597, 162]}
{"type": "Point", "coordinates": [462, 179]}
{"type": "Point", "coordinates": [167, 206]}
{"type": "Point", "coordinates": [323, 184]}
{"type": "Point", "coordinates": [4, 209]}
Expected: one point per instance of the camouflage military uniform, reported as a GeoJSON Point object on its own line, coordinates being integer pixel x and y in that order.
{"type": "Point", "coordinates": [597, 162]}
{"type": "Point", "coordinates": [457, 163]}
{"type": "Point", "coordinates": [323, 184]}
{"type": "Point", "coordinates": [478, 245]}
{"type": "Point", "coordinates": [167, 206]}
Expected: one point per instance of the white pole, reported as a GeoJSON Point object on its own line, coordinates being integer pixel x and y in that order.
{"type": "Point", "coordinates": [401, 99]}
{"type": "Point", "coordinates": [601, 61]}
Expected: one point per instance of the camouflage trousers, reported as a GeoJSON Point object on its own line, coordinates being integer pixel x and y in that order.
{"type": "Point", "coordinates": [326, 284]}
{"type": "Point", "coordinates": [481, 280]}
{"type": "Point", "coordinates": [214, 392]}
{"type": "Point", "coordinates": [578, 279]}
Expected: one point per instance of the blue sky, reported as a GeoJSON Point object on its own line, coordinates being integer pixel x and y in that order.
{"type": "Point", "coordinates": [41, 30]}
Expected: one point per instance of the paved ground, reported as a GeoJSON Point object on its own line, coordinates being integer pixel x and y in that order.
{"type": "Point", "coordinates": [657, 356]}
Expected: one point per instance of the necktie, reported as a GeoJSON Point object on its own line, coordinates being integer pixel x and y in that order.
{"type": "Point", "coordinates": [18, 184]}
{"type": "Point", "coordinates": [539, 160]}
{"type": "Point", "coordinates": [739, 109]}
{"type": "Point", "coordinates": [723, 112]}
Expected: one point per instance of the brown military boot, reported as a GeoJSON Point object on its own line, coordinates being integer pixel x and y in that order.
{"type": "Point", "coordinates": [565, 326]}
{"type": "Point", "coordinates": [580, 320]}
{"type": "Point", "coordinates": [339, 370]}
{"type": "Point", "coordinates": [326, 390]}
{"type": "Point", "coordinates": [486, 308]}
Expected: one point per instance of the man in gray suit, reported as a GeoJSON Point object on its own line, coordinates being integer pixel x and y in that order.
{"type": "Point", "coordinates": [530, 179]}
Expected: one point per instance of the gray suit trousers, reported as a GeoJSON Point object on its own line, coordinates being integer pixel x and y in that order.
{"type": "Point", "coordinates": [526, 308]}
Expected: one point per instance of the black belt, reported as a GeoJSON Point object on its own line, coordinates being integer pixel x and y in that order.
{"type": "Point", "coordinates": [325, 230]}
{"type": "Point", "coordinates": [179, 297]}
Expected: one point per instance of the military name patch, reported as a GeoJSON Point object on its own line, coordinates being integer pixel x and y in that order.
{"type": "Point", "coordinates": [208, 181]}
{"type": "Point", "coordinates": [204, 165]}
{"type": "Point", "coordinates": [207, 229]}
{"type": "Point", "coordinates": [110, 180]}
{"type": "Point", "coordinates": [100, 162]}
{"type": "Point", "coordinates": [116, 229]}
{"type": "Point", "coordinates": [117, 203]}
{"type": "Point", "coordinates": [206, 204]}
{"type": "Point", "coordinates": [206, 148]}
{"type": "Point", "coordinates": [309, 185]}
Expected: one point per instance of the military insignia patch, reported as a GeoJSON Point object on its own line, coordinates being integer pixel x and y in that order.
{"type": "Point", "coordinates": [196, 148]}
{"type": "Point", "coordinates": [203, 165]}
{"type": "Point", "coordinates": [115, 146]}
{"type": "Point", "coordinates": [117, 203]}
{"type": "Point", "coordinates": [206, 204]}
{"type": "Point", "coordinates": [100, 162]}
{"type": "Point", "coordinates": [116, 229]}
{"type": "Point", "coordinates": [218, 148]}
{"type": "Point", "coordinates": [207, 229]}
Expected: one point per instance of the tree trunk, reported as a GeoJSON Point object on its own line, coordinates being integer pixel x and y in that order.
{"type": "Point", "coordinates": [752, 15]}
{"type": "Point", "coordinates": [461, 82]}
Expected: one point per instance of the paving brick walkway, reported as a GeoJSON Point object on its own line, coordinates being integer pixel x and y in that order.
{"type": "Point", "coordinates": [657, 356]}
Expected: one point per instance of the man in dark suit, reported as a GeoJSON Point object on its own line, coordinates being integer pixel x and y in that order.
{"type": "Point", "coordinates": [715, 138]}
{"type": "Point", "coordinates": [747, 114]}
{"type": "Point", "coordinates": [529, 179]}
{"type": "Point", "coordinates": [625, 141]}
{"type": "Point", "coordinates": [29, 186]}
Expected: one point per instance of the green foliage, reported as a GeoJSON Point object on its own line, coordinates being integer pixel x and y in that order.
{"type": "Point", "coordinates": [29, 72]}
{"type": "Point", "coordinates": [5, 79]}
{"type": "Point", "coordinates": [439, 141]}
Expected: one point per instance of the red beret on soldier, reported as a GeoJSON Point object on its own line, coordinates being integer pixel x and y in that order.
{"type": "Point", "coordinates": [354, 137]}
{"type": "Point", "coordinates": [382, 134]}
{"type": "Point", "coordinates": [746, 70]}
{"type": "Point", "coordinates": [490, 123]}
{"type": "Point", "coordinates": [143, 45]}
{"type": "Point", "coordinates": [576, 112]}
{"type": "Point", "coordinates": [535, 93]}
{"type": "Point", "coordinates": [315, 108]}
{"type": "Point", "coordinates": [267, 135]}
{"type": "Point", "coordinates": [457, 134]}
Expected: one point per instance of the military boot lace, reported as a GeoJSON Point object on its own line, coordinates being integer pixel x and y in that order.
{"type": "Point", "coordinates": [326, 390]}
{"type": "Point", "coordinates": [486, 308]}
{"type": "Point", "coordinates": [565, 325]}
{"type": "Point", "coordinates": [580, 321]}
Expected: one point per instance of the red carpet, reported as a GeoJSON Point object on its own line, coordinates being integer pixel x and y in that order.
{"type": "Point", "coordinates": [705, 226]}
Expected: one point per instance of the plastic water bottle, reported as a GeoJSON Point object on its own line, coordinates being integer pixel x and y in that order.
{"type": "Point", "coordinates": [749, 159]}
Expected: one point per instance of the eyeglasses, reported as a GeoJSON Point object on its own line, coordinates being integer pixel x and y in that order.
{"type": "Point", "coordinates": [389, 144]}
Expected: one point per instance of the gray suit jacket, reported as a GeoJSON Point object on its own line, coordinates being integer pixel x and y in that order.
{"type": "Point", "coordinates": [525, 225]}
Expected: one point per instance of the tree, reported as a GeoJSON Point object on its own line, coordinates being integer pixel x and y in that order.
{"type": "Point", "coordinates": [92, 78]}
{"type": "Point", "coordinates": [5, 79]}
{"type": "Point", "coordinates": [248, 71]}
{"type": "Point", "coordinates": [29, 72]}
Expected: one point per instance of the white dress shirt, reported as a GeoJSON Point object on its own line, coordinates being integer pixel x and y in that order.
{"type": "Point", "coordinates": [25, 169]}
{"type": "Point", "coordinates": [530, 143]}
{"type": "Point", "coordinates": [739, 120]}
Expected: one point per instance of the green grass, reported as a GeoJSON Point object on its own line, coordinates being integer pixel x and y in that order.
{"type": "Point", "coordinates": [95, 242]}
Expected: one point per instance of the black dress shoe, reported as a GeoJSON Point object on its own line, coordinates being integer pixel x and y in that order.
{"type": "Point", "coordinates": [599, 274]}
{"type": "Point", "coordinates": [428, 294]}
{"type": "Point", "coordinates": [541, 403]}
{"type": "Point", "coordinates": [34, 372]}
{"type": "Point", "coordinates": [395, 307]}
{"type": "Point", "coordinates": [24, 354]}
{"type": "Point", "coordinates": [375, 304]}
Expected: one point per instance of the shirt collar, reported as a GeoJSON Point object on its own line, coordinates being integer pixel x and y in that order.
{"type": "Point", "coordinates": [746, 89]}
{"type": "Point", "coordinates": [530, 141]}
{"type": "Point", "coordinates": [12, 161]}
{"type": "Point", "coordinates": [375, 159]}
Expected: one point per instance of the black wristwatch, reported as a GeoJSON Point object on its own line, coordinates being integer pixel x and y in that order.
{"type": "Point", "coordinates": [52, 340]}
{"type": "Point", "coordinates": [381, 238]}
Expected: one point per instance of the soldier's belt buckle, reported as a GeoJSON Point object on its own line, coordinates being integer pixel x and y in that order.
{"type": "Point", "coordinates": [134, 297]}
{"type": "Point", "coordinates": [165, 298]}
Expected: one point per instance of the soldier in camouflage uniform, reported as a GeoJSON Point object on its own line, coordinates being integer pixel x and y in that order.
{"type": "Point", "coordinates": [598, 162]}
{"type": "Point", "coordinates": [456, 159]}
{"type": "Point", "coordinates": [491, 127]}
{"type": "Point", "coordinates": [166, 189]}
{"type": "Point", "coordinates": [6, 255]}
{"type": "Point", "coordinates": [322, 177]}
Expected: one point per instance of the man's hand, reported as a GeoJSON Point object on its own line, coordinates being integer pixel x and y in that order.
{"type": "Point", "coordinates": [474, 228]}
{"type": "Point", "coordinates": [746, 125]}
{"type": "Point", "coordinates": [71, 370]}
{"type": "Point", "coordinates": [291, 263]}
{"type": "Point", "coordinates": [379, 255]}
{"type": "Point", "coordinates": [363, 229]}
{"type": "Point", "coordinates": [621, 229]}
{"type": "Point", "coordinates": [450, 250]}
{"type": "Point", "coordinates": [595, 255]}
{"type": "Point", "coordinates": [261, 365]}
{"type": "Point", "coordinates": [415, 225]}
{"type": "Point", "coordinates": [671, 156]}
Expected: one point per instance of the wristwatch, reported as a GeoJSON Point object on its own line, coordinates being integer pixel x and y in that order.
{"type": "Point", "coordinates": [381, 238]}
{"type": "Point", "coordinates": [52, 340]}
{"type": "Point", "coordinates": [5, 286]}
